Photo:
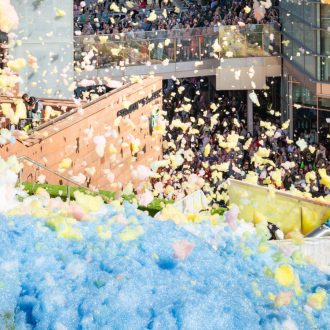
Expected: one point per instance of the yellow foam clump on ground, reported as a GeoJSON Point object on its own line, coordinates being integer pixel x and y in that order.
{"type": "Point", "coordinates": [170, 212]}
{"type": "Point", "coordinates": [14, 212]}
{"type": "Point", "coordinates": [39, 213]}
{"type": "Point", "coordinates": [63, 226]}
{"type": "Point", "coordinates": [263, 248]}
{"type": "Point", "coordinates": [215, 219]}
{"type": "Point", "coordinates": [87, 202]}
{"type": "Point", "coordinates": [317, 300]}
{"type": "Point", "coordinates": [195, 217]}
{"type": "Point", "coordinates": [56, 221]}
{"type": "Point", "coordinates": [131, 234]}
{"type": "Point", "coordinates": [70, 233]}
{"type": "Point", "coordinates": [103, 232]}
{"type": "Point", "coordinates": [284, 275]}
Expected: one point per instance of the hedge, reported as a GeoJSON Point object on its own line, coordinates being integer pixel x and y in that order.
{"type": "Point", "coordinates": [61, 191]}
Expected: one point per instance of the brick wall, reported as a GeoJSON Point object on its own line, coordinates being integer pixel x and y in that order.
{"type": "Point", "coordinates": [68, 139]}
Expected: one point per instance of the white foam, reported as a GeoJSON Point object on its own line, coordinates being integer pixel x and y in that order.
{"type": "Point", "coordinates": [8, 178]}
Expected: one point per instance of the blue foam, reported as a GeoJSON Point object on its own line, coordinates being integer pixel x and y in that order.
{"type": "Point", "coordinates": [48, 282]}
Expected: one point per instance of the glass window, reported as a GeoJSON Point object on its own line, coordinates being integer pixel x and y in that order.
{"type": "Point", "coordinates": [310, 38]}
{"type": "Point", "coordinates": [325, 68]}
{"type": "Point", "coordinates": [287, 49]}
{"type": "Point", "coordinates": [297, 93]}
{"type": "Point", "coordinates": [324, 127]}
{"type": "Point", "coordinates": [302, 95]}
{"type": "Point", "coordinates": [325, 16]}
{"type": "Point", "coordinates": [304, 122]}
{"type": "Point", "coordinates": [284, 97]}
{"type": "Point", "coordinates": [310, 13]}
{"type": "Point", "coordinates": [324, 103]}
{"type": "Point", "coordinates": [325, 42]}
{"type": "Point", "coordinates": [286, 23]}
{"type": "Point", "coordinates": [295, 6]}
{"type": "Point", "coordinates": [298, 55]}
{"type": "Point", "coordinates": [297, 29]}
{"type": "Point", "coordinates": [311, 65]}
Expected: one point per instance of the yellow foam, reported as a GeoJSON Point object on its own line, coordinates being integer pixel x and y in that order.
{"type": "Point", "coordinates": [317, 300]}
{"type": "Point", "coordinates": [131, 234]}
{"type": "Point", "coordinates": [284, 275]}
{"type": "Point", "coordinates": [87, 202]}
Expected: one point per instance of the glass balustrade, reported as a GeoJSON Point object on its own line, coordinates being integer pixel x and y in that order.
{"type": "Point", "coordinates": [173, 46]}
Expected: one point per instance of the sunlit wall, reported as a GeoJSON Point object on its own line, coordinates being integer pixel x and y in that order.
{"type": "Point", "coordinates": [46, 33]}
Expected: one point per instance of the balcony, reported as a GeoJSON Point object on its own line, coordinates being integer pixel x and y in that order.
{"type": "Point", "coordinates": [185, 52]}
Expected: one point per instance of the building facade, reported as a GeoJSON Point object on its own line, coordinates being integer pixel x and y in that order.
{"type": "Point", "coordinates": [306, 68]}
{"type": "Point", "coordinates": [46, 35]}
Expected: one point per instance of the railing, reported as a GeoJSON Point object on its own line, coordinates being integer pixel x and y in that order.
{"type": "Point", "coordinates": [59, 175]}
{"type": "Point", "coordinates": [153, 47]}
{"type": "Point", "coordinates": [62, 117]}
{"type": "Point", "coordinates": [30, 127]}
{"type": "Point", "coordinates": [29, 124]}
{"type": "Point", "coordinates": [56, 108]}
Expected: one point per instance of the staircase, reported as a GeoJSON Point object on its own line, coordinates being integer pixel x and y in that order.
{"type": "Point", "coordinates": [58, 106]}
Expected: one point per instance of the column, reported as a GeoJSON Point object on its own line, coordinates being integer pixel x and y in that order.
{"type": "Point", "coordinates": [249, 112]}
{"type": "Point", "coordinates": [290, 107]}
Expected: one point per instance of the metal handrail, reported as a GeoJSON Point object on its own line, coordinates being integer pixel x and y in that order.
{"type": "Point", "coordinates": [103, 58]}
{"type": "Point", "coordinates": [73, 111]}
{"type": "Point", "coordinates": [20, 158]}
{"type": "Point", "coordinates": [175, 32]}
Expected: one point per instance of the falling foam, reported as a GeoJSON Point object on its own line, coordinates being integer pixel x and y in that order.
{"type": "Point", "coordinates": [8, 178]}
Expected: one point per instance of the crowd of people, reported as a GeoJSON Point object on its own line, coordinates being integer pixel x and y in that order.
{"type": "Point", "coordinates": [92, 17]}
{"type": "Point", "coordinates": [34, 109]}
{"type": "Point", "coordinates": [207, 141]}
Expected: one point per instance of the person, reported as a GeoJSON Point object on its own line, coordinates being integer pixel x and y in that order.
{"type": "Point", "coordinates": [143, 4]}
{"type": "Point", "coordinates": [26, 100]}
{"type": "Point", "coordinates": [274, 231]}
{"type": "Point", "coordinates": [25, 122]}
{"type": "Point", "coordinates": [36, 107]}
{"type": "Point", "coordinates": [3, 49]}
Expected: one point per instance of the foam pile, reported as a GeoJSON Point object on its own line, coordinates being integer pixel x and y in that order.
{"type": "Point", "coordinates": [126, 270]}
{"type": "Point", "coordinates": [93, 266]}
{"type": "Point", "coordinates": [8, 177]}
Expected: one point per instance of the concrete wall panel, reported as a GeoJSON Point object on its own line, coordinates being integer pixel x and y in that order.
{"type": "Point", "coordinates": [49, 38]}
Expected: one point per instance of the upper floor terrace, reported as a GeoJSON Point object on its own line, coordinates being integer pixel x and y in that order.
{"type": "Point", "coordinates": [182, 52]}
